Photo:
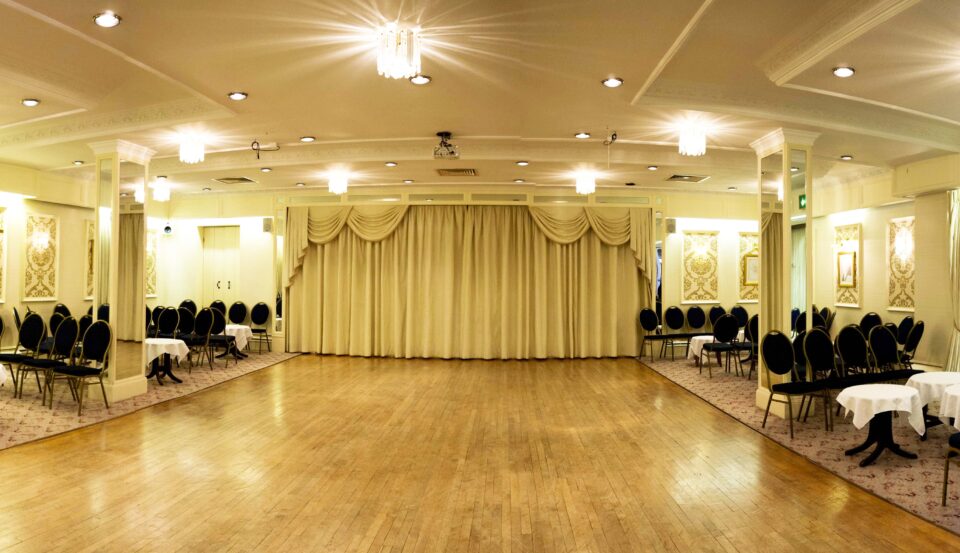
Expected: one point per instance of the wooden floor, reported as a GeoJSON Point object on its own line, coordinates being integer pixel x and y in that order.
{"type": "Point", "coordinates": [343, 454]}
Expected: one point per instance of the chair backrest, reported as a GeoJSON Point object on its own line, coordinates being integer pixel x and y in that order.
{"type": "Point", "coordinates": [696, 318]}
{"type": "Point", "coordinates": [168, 321]}
{"type": "Point", "coordinates": [219, 322]}
{"type": "Point", "coordinates": [818, 351]}
{"type": "Point", "coordinates": [673, 318]}
{"type": "Point", "coordinates": [238, 313]}
{"type": "Point", "coordinates": [852, 348]}
{"type": "Point", "coordinates": [741, 315]}
{"type": "Point", "coordinates": [816, 322]}
{"type": "Point", "coordinates": [913, 339]}
{"type": "Point", "coordinates": [753, 329]}
{"type": "Point", "coordinates": [32, 332]}
{"type": "Point", "coordinates": [203, 322]}
{"type": "Point", "coordinates": [155, 314]}
{"type": "Point", "coordinates": [869, 321]}
{"type": "Point", "coordinates": [260, 314]}
{"type": "Point", "coordinates": [85, 323]}
{"type": "Point", "coordinates": [219, 306]}
{"type": "Point", "coordinates": [191, 305]}
{"type": "Point", "coordinates": [55, 321]}
{"type": "Point", "coordinates": [648, 319]}
{"type": "Point", "coordinates": [62, 309]}
{"type": "Point", "coordinates": [794, 313]}
{"type": "Point", "coordinates": [777, 353]}
{"type": "Point", "coordinates": [799, 357]}
{"type": "Point", "coordinates": [883, 344]}
{"type": "Point", "coordinates": [16, 318]}
{"type": "Point", "coordinates": [725, 329]}
{"type": "Point", "coordinates": [829, 321]}
{"type": "Point", "coordinates": [103, 312]}
{"type": "Point", "coordinates": [2, 325]}
{"type": "Point", "coordinates": [187, 321]}
{"type": "Point", "coordinates": [96, 342]}
{"type": "Point", "coordinates": [715, 313]}
{"type": "Point", "coordinates": [65, 338]}
{"type": "Point", "coordinates": [149, 318]}
{"type": "Point", "coordinates": [903, 329]}
{"type": "Point", "coordinates": [892, 328]}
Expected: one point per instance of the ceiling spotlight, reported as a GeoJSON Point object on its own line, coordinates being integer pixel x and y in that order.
{"type": "Point", "coordinates": [106, 19]}
{"type": "Point", "coordinates": [124, 194]}
{"type": "Point", "coordinates": [693, 139]}
{"type": "Point", "coordinates": [391, 164]}
{"type": "Point", "coordinates": [794, 169]}
{"type": "Point", "coordinates": [192, 148]}
{"type": "Point", "coordinates": [522, 163]}
{"type": "Point", "coordinates": [301, 184]}
{"type": "Point", "coordinates": [846, 157]}
{"type": "Point", "coordinates": [582, 134]}
{"type": "Point", "coordinates": [337, 182]}
{"type": "Point", "coordinates": [652, 167]}
{"type": "Point", "coordinates": [843, 71]}
{"type": "Point", "coordinates": [519, 181]}
{"type": "Point", "coordinates": [307, 138]}
{"type": "Point", "coordinates": [237, 96]}
{"type": "Point", "coordinates": [421, 79]}
{"type": "Point", "coordinates": [731, 188]}
{"type": "Point", "coordinates": [629, 184]}
{"type": "Point", "coordinates": [586, 182]}
{"type": "Point", "coordinates": [407, 181]}
{"type": "Point", "coordinates": [30, 102]}
{"type": "Point", "coordinates": [398, 51]}
{"type": "Point", "coordinates": [265, 169]}
{"type": "Point", "coordinates": [78, 162]}
{"type": "Point", "coordinates": [612, 82]}
{"type": "Point", "coordinates": [207, 189]}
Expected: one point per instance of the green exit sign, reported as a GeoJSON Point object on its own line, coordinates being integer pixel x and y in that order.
{"type": "Point", "coordinates": [803, 201]}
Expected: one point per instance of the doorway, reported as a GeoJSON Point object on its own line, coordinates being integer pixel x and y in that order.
{"type": "Point", "coordinates": [221, 264]}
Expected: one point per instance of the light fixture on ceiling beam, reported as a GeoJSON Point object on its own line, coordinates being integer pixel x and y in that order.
{"type": "Point", "coordinates": [844, 71]}
{"type": "Point", "coordinates": [612, 82]}
{"type": "Point", "coordinates": [398, 51]}
{"type": "Point", "coordinates": [731, 189]}
{"type": "Point", "coordinates": [301, 184]}
{"type": "Point", "coordinates": [207, 189]}
{"type": "Point", "coordinates": [107, 19]}
{"type": "Point", "coordinates": [391, 164]}
{"type": "Point", "coordinates": [192, 148]}
{"type": "Point", "coordinates": [265, 169]}
{"type": "Point", "coordinates": [523, 163]}
{"type": "Point", "coordinates": [78, 162]}
{"type": "Point", "coordinates": [407, 181]}
{"type": "Point", "coordinates": [337, 182]}
{"type": "Point", "coordinates": [652, 167]}
{"type": "Point", "coordinates": [307, 139]}
{"type": "Point", "coordinates": [519, 181]}
{"type": "Point", "coordinates": [586, 182]}
{"type": "Point", "coordinates": [794, 169]}
{"type": "Point", "coordinates": [693, 139]}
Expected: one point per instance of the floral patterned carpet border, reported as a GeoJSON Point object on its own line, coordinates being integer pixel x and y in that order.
{"type": "Point", "coordinates": [914, 485]}
{"type": "Point", "coordinates": [25, 420]}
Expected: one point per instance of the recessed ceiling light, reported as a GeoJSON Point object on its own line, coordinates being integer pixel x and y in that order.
{"type": "Point", "coordinates": [844, 71]}
{"type": "Point", "coordinates": [407, 181]}
{"type": "Point", "coordinates": [307, 138]}
{"type": "Point", "coordinates": [301, 184]}
{"type": "Point", "coordinates": [237, 96]}
{"type": "Point", "coordinates": [794, 169]}
{"type": "Point", "coordinates": [519, 181]}
{"type": "Point", "coordinates": [78, 163]}
{"type": "Point", "coordinates": [421, 79]}
{"type": "Point", "coordinates": [123, 194]}
{"type": "Point", "coordinates": [207, 189]}
{"type": "Point", "coordinates": [523, 163]}
{"type": "Point", "coordinates": [30, 102]}
{"type": "Point", "coordinates": [582, 134]}
{"type": "Point", "coordinates": [391, 164]}
{"type": "Point", "coordinates": [612, 82]}
{"type": "Point", "coordinates": [107, 19]}
{"type": "Point", "coordinates": [630, 183]}
{"type": "Point", "coordinates": [732, 188]}
{"type": "Point", "coordinates": [652, 167]}
{"type": "Point", "coordinates": [846, 157]}
{"type": "Point", "coordinates": [265, 169]}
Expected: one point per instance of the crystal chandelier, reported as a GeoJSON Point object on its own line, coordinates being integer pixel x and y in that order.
{"type": "Point", "coordinates": [337, 182]}
{"type": "Point", "coordinates": [586, 183]}
{"type": "Point", "coordinates": [191, 148]}
{"type": "Point", "coordinates": [161, 189]}
{"type": "Point", "coordinates": [398, 51]}
{"type": "Point", "coordinates": [693, 139]}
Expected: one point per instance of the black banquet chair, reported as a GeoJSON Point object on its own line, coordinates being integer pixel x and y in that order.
{"type": "Point", "coordinates": [103, 312]}
{"type": "Point", "coordinates": [199, 340]}
{"type": "Point", "coordinates": [61, 309]}
{"type": "Point", "coordinates": [219, 306]}
{"type": "Point", "coordinates": [741, 315]}
{"type": "Point", "coordinates": [913, 341]}
{"type": "Point", "coordinates": [88, 370]}
{"type": "Point", "coordinates": [167, 323]}
{"type": "Point", "coordinates": [854, 353]}
{"type": "Point", "coordinates": [886, 357]}
{"type": "Point", "coordinates": [869, 321]}
{"type": "Point", "coordinates": [191, 305]}
{"type": "Point", "coordinates": [777, 353]}
{"type": "Point", "coordinates": [821, 360]}
{"type": "Point", "coordinates": [32, 333]}
{"type": "Point", "coordinates": [260, 317]}
{"type": "Point", "coordinates": [696, 318]}
{"type": "Point", "coordinates": [219, 339]}
{"type": "Point", "coordinates": [724, 338]}
{"type": "Point", "coordinates": [64, 344]}
{"type": "Point", "coordinates": [903, 330]}
{"type": "Point", "coordinates": [715, 313]}
{"type": "Point", "coordinates": [237, 314]}
{"type": "Point", "coordinates": [674, 321]}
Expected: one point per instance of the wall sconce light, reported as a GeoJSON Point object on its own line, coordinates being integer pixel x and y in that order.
{"type": "Point", "coordinates": [903, 244]}
{"type": "Point", "coordinates": [40, 240]}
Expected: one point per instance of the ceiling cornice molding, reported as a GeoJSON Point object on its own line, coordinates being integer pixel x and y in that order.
{"type": "Point", "coordinates": [768, 144]}
{"type": "Point", "coordinates": [127, 150]}
{"type": "Point", "coordinates": [801, 109]}
{"type": "Point", "coordinates": [867, 175]}
{"type": "Point", "coordinates": [826, 32]}
{"type": "Point", "coordinates": [88, 126]}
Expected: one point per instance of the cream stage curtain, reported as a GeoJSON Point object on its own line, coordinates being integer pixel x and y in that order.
{"type": "Point", "coordinates": [488, 282]}
{"type": "Point", "coordinates": [130, 312]}
{"type": "Point", "coordinates": [953, 352]}
{"type": "Point", "coordinates": [771, 271]}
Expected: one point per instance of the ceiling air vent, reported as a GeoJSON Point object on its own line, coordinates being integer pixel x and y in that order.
{"type": "Point", "coordinates": [687, 178]}
{"type": "Point", "coordinates": [235, 180]}
{"type": "Point", "coordinates": [457, 172]}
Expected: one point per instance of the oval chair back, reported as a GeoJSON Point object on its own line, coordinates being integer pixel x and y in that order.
{"type": "Point", "coordinates": [32, 332]}
{"type": "Point", "coordinates": [84, 324]}
{"type": "Point", "coordinates": [103, 312]}
{"type": "Point", "coordinates": [260, 314]}
{"type": "Point", "coordinates": [828, 324]}
{"type": "Point", "coordinates": [55, 321]}
{"type": "Point", "coordinates": [852, 348]}
{"type": "Point", "coordinates": [715, 313]}
{"type": "Point", "coordinates": [883, 345]}
{"type": "Point", "coordinates": [219, 306]}
{"type": "Point", "coordinates": [96, 342]}
{"type": "Point", "coordinates": [648, 319]}
{"type": "Point", "coordinates": [869, 321]}
{"type": "Point", "coordinates": [203, 323]}
{"type": "Point", "coordinates": [794, 313]}
{"type": "Point", "coordinates": [903, 329]}
{"type": "Point", "coordinates": [696, 318]}
{"type": "Point", "coordinates": [741, 315]}
{"type": "Point", "coordinates": [149, 319]}
{"type": "Point", "coordinates": [726, 328]}
{"type": "Point", "coordinates": [818, 351]}
{"type": "Point", "coordinates": [167, 323]}
{"type": "Point", "coordinates": [62, 309]}
{"type": "Point", "coordinates": [799, 356]}
{"type": "Point", "coordinates": [913, 340]}
{"type": "Point", "coordinates": [777, 353]}
{"type": "Point", "coordinates": [187, 321]}
{"type": "Point", "coordinates": [892, 328]}
{"type": "Point", "coordinates": [191, 305]}
{"type": "Point", "coordinates": [65, 338]}
{"type": "Point", "coordinates": [219, 322]}
{"type": "Point", "coordinates": [673, 317]}
{"type": "Point", "coordinates": [155, 314]}
{"type": "Point", "coordinates": [238, 313]}
{"type": "Point", "coordinates": [16, 318]}
{"type": "Point", "coordinates": [753, 330]}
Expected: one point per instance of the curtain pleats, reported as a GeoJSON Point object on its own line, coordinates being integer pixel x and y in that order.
{"type": "Point", "coordinates": [130, 317]}
{"type": "Point", "coordinates": [953, 351]}
{"type": "Point", "coordinates": [771, 271]}
{"type": "Point", "coordinates": [466, 282]}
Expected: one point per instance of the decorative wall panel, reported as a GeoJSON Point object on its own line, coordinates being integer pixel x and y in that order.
{"type": "Point", "coordinates": [700, 279]}
{"type": "Point", "coordinates": [749, 267]}
{"type": "Point", "coordinates": [89, 244]}
{"type": "Point", "coordinates": [848, 278]}
{"type": "Point", "coordinates": [41, 258]}
{"type": "Point", "coordinates": [901, 264]}
{"type": "Point", "coordinates": [150, 269]}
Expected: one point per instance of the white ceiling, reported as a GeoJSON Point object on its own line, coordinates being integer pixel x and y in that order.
{"type": "Point", "coordinates": [512, 80]}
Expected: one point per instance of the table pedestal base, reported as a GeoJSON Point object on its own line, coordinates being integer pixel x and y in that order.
{"type": "Point", "coordinates": [160, 368]}
{"type": "Point", "coordinates": [880, 433]}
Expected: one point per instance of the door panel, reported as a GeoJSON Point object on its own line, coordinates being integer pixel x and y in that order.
{"type": "Point", "coordinates": [221, 256]}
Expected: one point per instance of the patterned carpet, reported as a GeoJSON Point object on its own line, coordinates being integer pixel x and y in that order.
{"type": "Point", "coordinates": [25, 420]}
{"type": "Point", "coordinates": [914, 485]}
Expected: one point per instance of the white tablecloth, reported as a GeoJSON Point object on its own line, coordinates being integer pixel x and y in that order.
{"type": "Point", "coordinates": [932, 384]}
{"type": "Point", "coordinates": [867, 400]}
{"type": "Point", "coordinates": [697, 342]}
{"type": "Point", "coordinates": [3, 374]}
{"type": "Point", "coordinates": [950, 405]}
{"type": "Point", "coordinates": [171, 346]}
{"type": "Point", "coordinates": [241, 332]}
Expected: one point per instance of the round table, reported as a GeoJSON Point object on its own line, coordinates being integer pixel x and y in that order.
{"type": "Point", "coordinates": [159, 353]}
{"type": "Point", "coordinates": [242, 333]}
{"type": "Point", "coordinates": [875, 403]}
{"type": "Point", "coordinates": [697, 342]}
{"type": "Point", "coordinates": [931, 385]}
{"type": "Point", "coordinates": [950, 405]}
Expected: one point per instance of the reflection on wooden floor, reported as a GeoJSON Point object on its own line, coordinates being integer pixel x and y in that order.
{"type": "Point", "coordinates": [346, 454]}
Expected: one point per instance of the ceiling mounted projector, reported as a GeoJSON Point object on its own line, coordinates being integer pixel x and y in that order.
{"type": "Point", "coordinates": [445, 150]}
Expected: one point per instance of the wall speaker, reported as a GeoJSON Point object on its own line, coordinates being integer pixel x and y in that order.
{"type": "Point", "coordinates": [267, 224]}
{"type": "Point", "coordinates": [671, 225]}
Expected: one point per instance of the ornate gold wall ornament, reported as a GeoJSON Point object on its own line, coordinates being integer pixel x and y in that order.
{"type": "Point", "coordinates": [749, 266]}
{"type": "Point", "coordinates": [89, 244]}
{"type": "Point", "coordinates": [700, 280]}
{"type": "Point", "coordinates": [150, 268]}
{"type": "Point", "coordinates": [847, 274]}
{"type": "Point", "coordinates": [41, 258]}
{"type": "Point", "coordinates": [901, 264]}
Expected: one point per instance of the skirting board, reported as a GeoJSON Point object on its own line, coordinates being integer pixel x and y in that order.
{"type": "Point", "coordinates": [123, 389]}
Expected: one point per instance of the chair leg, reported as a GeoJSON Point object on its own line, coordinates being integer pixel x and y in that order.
{"type": "Point", "coordinates": [790, 414]}
{"type": "Point", "coordinates": [946, 476]}
{"type": "Point", "coordinates": [104, 392]}
{"type": "Point", "coordinates": [80, 390]}
{"type": "Point", "coordinates": [767, 412]}
{"type": "Point", "coordinates": [803, 400]}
